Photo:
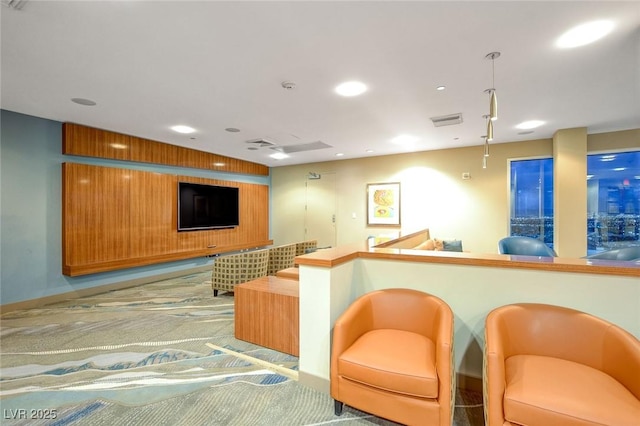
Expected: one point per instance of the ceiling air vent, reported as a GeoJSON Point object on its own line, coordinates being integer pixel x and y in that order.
{"type": "Point", "coordinates": [288, 149]}
{"type": "Point", "coordinates": [447, 120]}
{"type": "Point", "coordinates": [14, 4]}
{"type": "Point", "coordinates": [259, 143]}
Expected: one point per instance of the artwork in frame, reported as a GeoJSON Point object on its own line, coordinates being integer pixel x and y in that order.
{"type": "Point", "coordinates": [383, 204]}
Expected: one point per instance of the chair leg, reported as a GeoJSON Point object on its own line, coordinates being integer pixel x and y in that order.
{"type": "Point", "coordinates": [215, 293]}
{"type": "Point", "coordinates": [337, 407]}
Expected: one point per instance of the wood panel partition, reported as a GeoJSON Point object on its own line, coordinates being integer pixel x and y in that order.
{"type": "Point", "coordinates": [119, 218]}
{"type": "Point", "coordinates": [91, 142]}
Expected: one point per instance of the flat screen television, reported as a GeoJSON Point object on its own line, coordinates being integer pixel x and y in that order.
{"type": "Point", "coordinates": [207, 206]}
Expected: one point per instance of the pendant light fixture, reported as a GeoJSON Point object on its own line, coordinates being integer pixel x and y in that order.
{"type": "Point", "coordinates": [493, 100]}
{"type": "Point", "coordinates": [493, 108]}
{"type": "Point", "coordinates": [489, 136]}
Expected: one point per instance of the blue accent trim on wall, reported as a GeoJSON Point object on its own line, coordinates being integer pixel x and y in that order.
{"type": "Point", "coordinates": [31, 211]}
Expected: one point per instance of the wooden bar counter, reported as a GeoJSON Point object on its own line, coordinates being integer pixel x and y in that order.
{"type": "Point", "coordinates": [267, 313]}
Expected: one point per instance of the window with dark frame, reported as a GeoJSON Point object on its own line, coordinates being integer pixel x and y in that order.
{"type": "Point", "coordinates": [531, 187]}
{"type": "Point", "coordinates": [613, 201]}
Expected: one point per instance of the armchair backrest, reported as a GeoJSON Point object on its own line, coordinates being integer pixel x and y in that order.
{"type": "Point", "coordinates": [560, 332]}
{"type": "Point", "coordinates": [281, 257]}
{"type": "Point", "coordinates": [256, 264]}
{"type": "Point", "coordinates": [624, 253]}
{"type": "Point", "coordinates": [303, 246]}
{"type": "Point", "coordinates": [525, 246]}
{"type": "Point", "coordinates": [238, 268]}
{"type": "Point", "coordinates": [410, 310]}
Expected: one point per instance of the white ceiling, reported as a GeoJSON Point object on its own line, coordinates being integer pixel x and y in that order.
{"type": "Point", "coordinates": [213, 65]}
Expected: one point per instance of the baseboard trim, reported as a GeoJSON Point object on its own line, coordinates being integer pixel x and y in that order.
{"type": "Point", "coordinates": [70, 295]}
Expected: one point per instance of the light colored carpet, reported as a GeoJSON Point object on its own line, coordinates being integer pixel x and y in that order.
{"type": "Point", "coordinates": [139, 356]}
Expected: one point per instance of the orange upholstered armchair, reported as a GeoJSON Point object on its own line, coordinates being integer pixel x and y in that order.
{"type": "Point", "coordinates": [550, 365]}
{"type": "Point", "coordinates": [392, 356]}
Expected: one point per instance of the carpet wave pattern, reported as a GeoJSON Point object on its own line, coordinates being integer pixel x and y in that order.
{"type": "Point", "coordinates": [161, 353]}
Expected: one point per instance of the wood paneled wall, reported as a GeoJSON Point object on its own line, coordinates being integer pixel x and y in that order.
{"type": "Point", "coordinates": [91, 142]}
{"type": "Point", "coordinates": [118, 218]}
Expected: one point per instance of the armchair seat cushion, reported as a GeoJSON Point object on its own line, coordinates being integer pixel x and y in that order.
{"type": "Point", "coordinates": [543, 390]}
{"type": "Point", "coordinates": [407, 366]}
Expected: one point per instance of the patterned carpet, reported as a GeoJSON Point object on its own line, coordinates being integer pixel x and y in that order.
{"type": "Point", "coordinates": [142, 356]}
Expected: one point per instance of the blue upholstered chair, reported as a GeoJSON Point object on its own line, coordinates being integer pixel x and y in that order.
{"type": "Point", "coordinates": [525, 246]}
{"type": "Point", "coordinates": [624, 253]}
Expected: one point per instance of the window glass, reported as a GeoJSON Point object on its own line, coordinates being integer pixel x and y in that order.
{"type": "Point", "coordinates": [532, 199]}
{"type": "Point", "coordinates": [613, 201]}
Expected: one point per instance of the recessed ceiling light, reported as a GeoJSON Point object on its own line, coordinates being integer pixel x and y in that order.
{"type": "Point", "coordinates": [279, 156]}
{"type": "Point", "coordinates": [232, 129]}
{"type": "Point", "coordinates": [82, 101]}
{"type": "Point", "coordinates": [441, 88]}
{"type": "Point", "coordinates": [219, 164]}
{"type": "Point", "coordinates": [531, 124]}
{"type": "Point", "coordinates": [369, 151]}
{"type": "Point", "coordinates": [351, 88]}
{"type": "Point", "coordinates": [339, 154]}
{"type": "Point", "coordinates": [183, 129]}
{"type": "Point", "coordinates": [119, 146]}
{"type": "Point", "coordinates": [405, 139]}
{"type": "Point", "coordinates": [585, 34]}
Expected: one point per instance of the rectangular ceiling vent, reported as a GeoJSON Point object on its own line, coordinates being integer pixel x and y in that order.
{"type": "Point", "coordinates": [288, 149]}
{"type": "Point", "coordinates": [447, 120]}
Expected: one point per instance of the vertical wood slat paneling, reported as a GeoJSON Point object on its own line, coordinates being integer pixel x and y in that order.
{"type": "Point", "coordinates": [153, 222]}
{"type": "Point", "coordinates": [119, 218]}
{"type": "Point", "coordinates": [90, 142]}
{"type": "Point", "coordinates": [96, 214]}
{"type": "Point", "coordinates": [148, 151]}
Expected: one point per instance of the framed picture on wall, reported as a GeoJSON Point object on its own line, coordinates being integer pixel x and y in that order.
{"type": "Point", "coordinates": [383, 204]}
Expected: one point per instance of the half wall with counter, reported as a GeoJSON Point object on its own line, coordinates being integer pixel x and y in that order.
{"type": "Point", "coordinates": [472, 284]}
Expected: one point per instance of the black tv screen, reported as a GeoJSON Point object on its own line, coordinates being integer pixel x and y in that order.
{"type": "Point", "coordinates": [207, 206]}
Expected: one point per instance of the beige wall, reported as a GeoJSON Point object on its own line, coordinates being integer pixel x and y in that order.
{"type": "Point", "coordinates": [434, 195]}
{"type": "Point", "coordinates": [626, 140]}
{"type": "Point", "coordinates": [570, 189]}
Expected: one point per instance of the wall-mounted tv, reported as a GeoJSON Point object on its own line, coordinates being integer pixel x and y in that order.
{"type": "Point", "coordinates": [207, 206]}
